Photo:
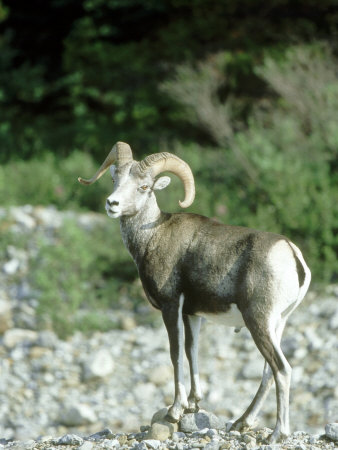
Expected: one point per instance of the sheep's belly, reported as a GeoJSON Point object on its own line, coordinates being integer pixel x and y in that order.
{"type": "Point", "coordinates": [232, 318]}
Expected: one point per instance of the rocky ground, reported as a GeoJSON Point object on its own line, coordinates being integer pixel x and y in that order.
{"type": "Point", "coordinates": [115, 381]}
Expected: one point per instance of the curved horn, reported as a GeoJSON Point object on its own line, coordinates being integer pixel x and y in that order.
{"type": "Point", "coordinates": [121, 153]}
{"type": "Point", "coordinates": [167, 162]}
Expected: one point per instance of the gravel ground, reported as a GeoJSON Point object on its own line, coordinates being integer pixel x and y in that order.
{"type": "Point", "coordinates": [115, 381]}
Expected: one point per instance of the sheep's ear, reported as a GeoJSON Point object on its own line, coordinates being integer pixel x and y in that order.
{"type": "Point", "coordinates": [112, 170]}
{"type": "Point", "coordinates": [161, 183]}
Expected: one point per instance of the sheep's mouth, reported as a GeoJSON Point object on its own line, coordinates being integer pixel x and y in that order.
{"type": "Point", "coordinates": [113, 213]}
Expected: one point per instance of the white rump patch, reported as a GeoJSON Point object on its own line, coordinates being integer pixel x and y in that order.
{"type": "Point", "coordinates": [232, 318]}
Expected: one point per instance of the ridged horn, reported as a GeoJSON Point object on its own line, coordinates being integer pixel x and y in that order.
{"type": "Point", "coordinates": [121, 153]}
{"type": "Point", "coordinates": [167, 162]}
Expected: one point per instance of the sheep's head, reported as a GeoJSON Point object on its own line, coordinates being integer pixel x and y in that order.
{"type": "Point", "coordinates": [134, 181]}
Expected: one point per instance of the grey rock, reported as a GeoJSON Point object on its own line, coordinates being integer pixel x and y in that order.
{"type": "Point", "coordinates": [271, 447]}
{"type": "Point", "coordinates": [18, 336]}
{"type": "Point", "coordinates": [234, 433]}
{"type": "Point", "coordinates": [160, 375]}
{"type": "Point", "coordinates": [11, 267]}
{"type": "Point", "coordinates": [313, 439]}
{"type": "Point", "coordinates": [70, 439]}
{"type": "Point", "coordinates": [177, 436]}
{"type": "Point", "coordinates": [98, 365]}
{"type": "Point", "coordinates": [87, 445]}
{"type": "Point", "coordinates": [333, 323]}
{"type": "Point", "coordinates": [140, 446]}
{"type": "Point", "coordinates": [197, 421]}
{"type": "Point", "coordinates": [76, 415]}
{"type": "Point", "coordinates": [331, 431]}
{"type": "Point", "coordinates": [152, 443]}
{"type": "Point", "coordinates": [213, 445]}
{"type": "Point", "coordinates": [110, 443]}
{"type": "Point", "coordinates": [211, 433]}
{"type": "Point", "coordinates": [104, 434]}
{"type": "Point", "coordinates": [47, 339]}
{"type": "Point", "coordinates": [22, 217]}
{"type": "Point", "coordinates": [48, 217]}
{"type": "Point", "coordinates": [179, 446]}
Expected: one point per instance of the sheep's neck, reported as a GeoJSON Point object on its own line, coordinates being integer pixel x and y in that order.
{"type": "Point", "coordinates": [138, 230]}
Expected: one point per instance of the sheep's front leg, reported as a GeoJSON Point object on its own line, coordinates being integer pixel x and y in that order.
{"type": "Point", "coordinates": [192, 326]}
{"type": "Point", "coordinates": [172, 317]}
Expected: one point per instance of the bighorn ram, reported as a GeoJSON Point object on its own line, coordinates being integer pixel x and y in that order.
{"type": "Point", "coordinates": [192, 267]}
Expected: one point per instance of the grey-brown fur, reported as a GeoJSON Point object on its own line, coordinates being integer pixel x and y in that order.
{"type": "Point", "coordinates": [191, 265]}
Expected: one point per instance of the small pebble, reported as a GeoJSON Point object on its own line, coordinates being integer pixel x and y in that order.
{"type": "Point", "coordinates": [70, 439]}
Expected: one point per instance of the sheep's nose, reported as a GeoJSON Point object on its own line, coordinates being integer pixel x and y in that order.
{"type": "Point", "coordinates": [113, 203]}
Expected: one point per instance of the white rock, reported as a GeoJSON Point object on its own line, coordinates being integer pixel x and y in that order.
{"type": "Point", "coordinates": [111, 443]}
{"type": "Point", "coordinates": [331, 431]}
{"type": "Point", "coordinates": [11, 266]}
{"type": "Point", "coordinates": [160, 375]}
{"type": "Point", "coordinates": [333, 323]}
{"type": "Point", "coordinates": [22, 217]}
{"type": "Point", "coordinates": [49, 217]}
{"type": "Point", "coordinates": [98, 365]}
{"type": "Point", "coordinates": [16, 336]}
{"type": "Point", "coordinates": [86, 446]}
{"type": "Point", "coordinates": [77, 415]}
{"type": "Point", "coordinates": [152, 443]}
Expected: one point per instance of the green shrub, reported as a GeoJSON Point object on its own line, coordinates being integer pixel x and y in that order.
{"type": "Point", "coordinates": [82, 270]}
{"type": "Point", "coordinates": [77, 274]}
{"type": "Point", "coordinates": [276, 172]}
{"type": "Point", "coordinates": [51, 180]}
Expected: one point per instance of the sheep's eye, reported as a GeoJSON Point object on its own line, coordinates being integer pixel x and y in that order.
{"type": "Point", "coordinates": [112, 180]}
{"type": "Point", "coordinates": [144, 187]}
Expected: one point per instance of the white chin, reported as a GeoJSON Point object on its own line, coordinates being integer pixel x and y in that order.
{"type": "Point", "coordinates": [113, 215]}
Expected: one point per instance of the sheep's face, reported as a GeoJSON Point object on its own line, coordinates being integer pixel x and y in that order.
{"type": "Point", "coordinates": [132, 190]}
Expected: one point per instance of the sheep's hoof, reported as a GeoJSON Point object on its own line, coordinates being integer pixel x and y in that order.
{"type": "Point", "coordinates": [241, 425]}
{"type": "Point", "coordinates": [192, 407]}
{"type": "Point", "coordinates": [174, 414]}
{"type": "Point", "coordinates": [276, 436]}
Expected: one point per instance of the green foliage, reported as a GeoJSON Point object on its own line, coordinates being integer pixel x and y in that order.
{"type": "Point", "coordinates": [78, 275]}
{"type": "Point", "coordinates": [51, 180]}
{"type": "Point", "coordinates": [155, 74]}
{"type": "Point", "coordinates": [68, 274]}
{"type": "Point", "coordinates": [85, 73]}
{"type": "Point", "coordinates": [277, 172]}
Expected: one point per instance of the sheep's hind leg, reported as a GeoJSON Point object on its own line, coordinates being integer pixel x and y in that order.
{"type": "Point", "coordinates": [267, 339]}
{"type": "Point", "coordinates": [192, 325]}
{"type": "Point", "coordinates": [172, 317]}
{"type": "Point", "coordinates": [248, 419]}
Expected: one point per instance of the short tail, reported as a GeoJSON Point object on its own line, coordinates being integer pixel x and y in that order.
{"type": "Point", "coordinates": [304, 273]}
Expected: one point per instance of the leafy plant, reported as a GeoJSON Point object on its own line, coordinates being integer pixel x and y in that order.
{"type": "Point", "coordinates": [79, 271]}
{"type": "Point", "coordinates": [277, 171]}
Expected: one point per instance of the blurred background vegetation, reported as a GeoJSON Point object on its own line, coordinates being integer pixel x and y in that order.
{"type": "Point", "coordinates": [245, 91]}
